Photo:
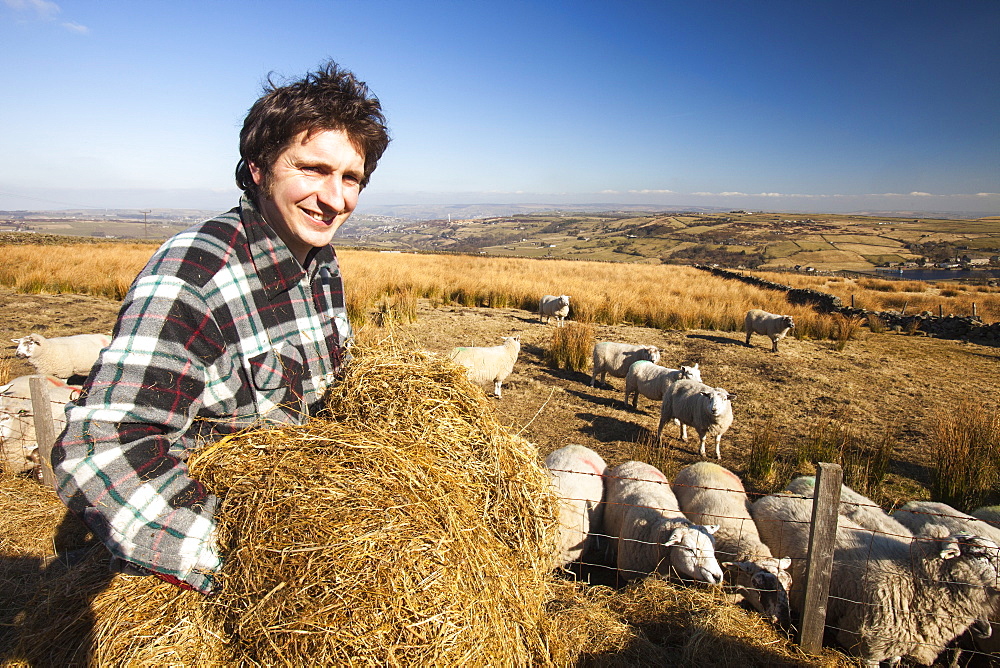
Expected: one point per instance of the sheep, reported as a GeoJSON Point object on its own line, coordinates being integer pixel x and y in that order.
{"type": "Point", "coordinates": [17, 426]}
{"type": "Point", "coordinates": [769, 324]}
{"type": "Point", "coordinates": [890, 596]}
{"type": "Point", "coordinates": [551, 306]}
{"type": "Point", "coordinates": [650, 380]}
{"type": "Point", "coordinates": [616, 359]}
{"type": "Point", "coordinates": [652, 535]}
{"type": "Point", "coordinates": [919, 516]}
{"type": "Point", "coordinates": [989, 514]}
{"type": "Point", "coordinates": [709, 410]}
{"type": "Point", "coordinates": [577, 475]}
{"type": "Point", "coordinates": [709, 493]}
{"type": "Point", "coordinates": [489, 364]}
{"type": "Point", "coordinates": [62, 356]}
{"type": "Point", "coordinates": [856, 507]}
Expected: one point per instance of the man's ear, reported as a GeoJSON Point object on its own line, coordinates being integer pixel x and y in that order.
{"type": "Point", "coordinates": [255, 172]}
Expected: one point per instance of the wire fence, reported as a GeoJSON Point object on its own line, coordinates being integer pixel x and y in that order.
{"type": "Point", "coordinates": [31, 407]}
{"type": "Point", "coordinates": [916, 583]}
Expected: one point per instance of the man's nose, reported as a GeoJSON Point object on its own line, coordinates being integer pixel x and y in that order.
{"type": "Point", "coordinates": [331, 194]}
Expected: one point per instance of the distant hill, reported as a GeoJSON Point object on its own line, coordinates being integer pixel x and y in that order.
{"type": "Point", "coordinates": [765, 240]}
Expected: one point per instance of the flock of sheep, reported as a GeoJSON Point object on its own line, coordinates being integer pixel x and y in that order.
{"type": "Point", "coordinates": [684, 399]}
{"type": "Point", "coordinates": [903, 585]}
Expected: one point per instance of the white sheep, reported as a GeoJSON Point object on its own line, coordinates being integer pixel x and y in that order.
{"type": "Point", "coordinates": [708, 410]}
{"type": "Point", "coordinates": [990, 514]}
{"type": "Point", "coordinates": [551, 306]}
{"type": "Point", "coordinates": [650, 380]}
{"type": "Point", "coordinates": [616, 359]}
{"type": "Point", "coordinates": [577, 475]}
{"type": "Point", "coordinates": [769, 324]}
{"type": "Point", "coordinates": [711, 494]}
{"type": "Point", "coordinates": [890, 596]}
{"type": "Point", "coordinates": [651, 533]}
{"type": "Point", "coordinates": [856, 507]}
{"type": "Point", "coordinates": [918, 516]}
{"type": "Point", "coordinates": [17, 426]}
{"type": "Point", "coordinates": [489, 364]}
{"type": "Point", "coordinates": [62, 356]}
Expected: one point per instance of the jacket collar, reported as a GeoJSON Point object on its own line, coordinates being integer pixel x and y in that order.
{"type": "Point", "coordinates": [274, 263]}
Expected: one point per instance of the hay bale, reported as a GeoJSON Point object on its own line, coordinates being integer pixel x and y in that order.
{"type": "Point", "coordinates": [406, 528]}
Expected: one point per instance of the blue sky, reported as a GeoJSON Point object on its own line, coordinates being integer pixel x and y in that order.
{"type": "Point", "coordinates": [784, 106]}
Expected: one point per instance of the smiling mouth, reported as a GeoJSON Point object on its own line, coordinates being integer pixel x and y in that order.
{"type": "Point", "coordinates": [318, 217]}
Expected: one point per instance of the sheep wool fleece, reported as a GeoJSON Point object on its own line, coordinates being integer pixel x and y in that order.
{"type": "Point", "coordinates": [222, 330]}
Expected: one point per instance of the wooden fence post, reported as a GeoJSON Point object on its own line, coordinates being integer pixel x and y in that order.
{"type": "Point", "coordinates": [940, 310]}
{"type": "Point", "coordinates": [974, 310]}
{"type": "Point", "coordinates": [852, 300]}
{"type": "Point", "coordinates": [45, 428]}
{"type": "Point", "coordinates": [822, 541]}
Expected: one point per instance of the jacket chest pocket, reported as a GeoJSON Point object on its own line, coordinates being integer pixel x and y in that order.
{"type": "Point", "coordinates": [277, 378]}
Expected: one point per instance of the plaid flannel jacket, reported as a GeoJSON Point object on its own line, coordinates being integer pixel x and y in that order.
{"type": "Point", "coordinates": [221, 331]}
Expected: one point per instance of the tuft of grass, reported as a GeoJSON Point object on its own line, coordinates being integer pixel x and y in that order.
{"type": "Point", "coordinates": [845, 328]}
{"type": "Point", "coordinates": [876, 324]}
{"type": "Point", "coordinates": [966, 441]}
{"type": "Point", "coordinates": [397, 307]}
{"type": "Point", "coordinates": [571, 347]}
{"type": "Point", "coordinates": [762, 457]}
{"type": "Point", "coordinates": [865, 457]}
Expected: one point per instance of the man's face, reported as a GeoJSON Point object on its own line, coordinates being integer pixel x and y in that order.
{"type": "Point", "coordinates": [311, 189]}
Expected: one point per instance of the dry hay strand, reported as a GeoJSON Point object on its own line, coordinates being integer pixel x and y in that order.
{"type": "Point", "coordinates": [701, 628]}
{"type": "Point", "coordinates": [85, 615]}
{"type": "Point", "coordinates": [408, 529]}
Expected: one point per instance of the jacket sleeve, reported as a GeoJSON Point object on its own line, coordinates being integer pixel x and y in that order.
{"type": "Point", "coordinates": [121, 462]}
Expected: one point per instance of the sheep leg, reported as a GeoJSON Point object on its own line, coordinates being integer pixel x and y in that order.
{"type": "Point", "coordinates": [748, 338]}
{"type": "Point", "coordinates": [702, 449]}
{"type": "Point", "coordinates": [496, 389]}
{"type": "Point", "coordinates": [718, 439]}
{"type": "Point", "coordinates": [774, 345]}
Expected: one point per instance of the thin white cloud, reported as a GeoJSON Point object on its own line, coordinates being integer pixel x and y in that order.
{"type": "Point", "coordinates": [75, 27]}
{"type": "Point", "coordinates": [611, 192]}
{"type": "Point", "coordinates": [920, 194]}
{"type": "Point", "coordinates": [651, 192]}
{"type": "Point", "coordinates": [987, 194]}
{"type": "Point", "coordinates": [43, 9]}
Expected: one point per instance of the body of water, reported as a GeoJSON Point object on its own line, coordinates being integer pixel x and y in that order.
{"type": "Point", "coordinates": [937, 274]}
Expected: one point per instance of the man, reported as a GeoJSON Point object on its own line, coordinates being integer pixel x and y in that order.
{"type": "Point", "coordinates": [237, 321]}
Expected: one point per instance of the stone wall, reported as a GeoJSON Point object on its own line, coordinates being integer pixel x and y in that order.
{"type": "Point", "coordinates": [947, 327]}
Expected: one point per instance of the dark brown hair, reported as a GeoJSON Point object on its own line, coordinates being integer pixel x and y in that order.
{"type": "Point", "coordinates": [330, 98]}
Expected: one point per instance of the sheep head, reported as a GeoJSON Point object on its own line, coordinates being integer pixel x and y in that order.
{"type": "Point", "coordinates": [692, 553]}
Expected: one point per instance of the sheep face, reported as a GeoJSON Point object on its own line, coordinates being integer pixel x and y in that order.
{"type": "Point", "coordinates": [767, 588]}
{"type": "Point", "coordinates": [26, 345]}
{"type": "Point", "coordinates": [786, 321]}
{"type": "Point", "coordinates": [654, 354]}
{"type": "Point", "coordinates": [692, 553]}
{"type": "Point", "coordinates": [717, 401]}
{"type": "Point", "coordinates": [690, 373]}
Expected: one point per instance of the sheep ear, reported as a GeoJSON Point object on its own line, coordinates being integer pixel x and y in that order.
{"type": "Point", "coordinates": [711, 528]}
{"type": "Point", "coordinates": [18, 341]}
{"type": "Point", "coordinates": [705, 394]}
{"type": "Point", "coordinates": [695, 366]}
{"type": "Point", "coordinates": [785, 563]}
{"type": "Point", "coordinates": [747, 567]}
{"type": "Point", "coordinates": [950, 550]}
{"type": "Point", "coordinates": [673, 540]}
{"type": "Point", "coordinates": [732, 395]}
